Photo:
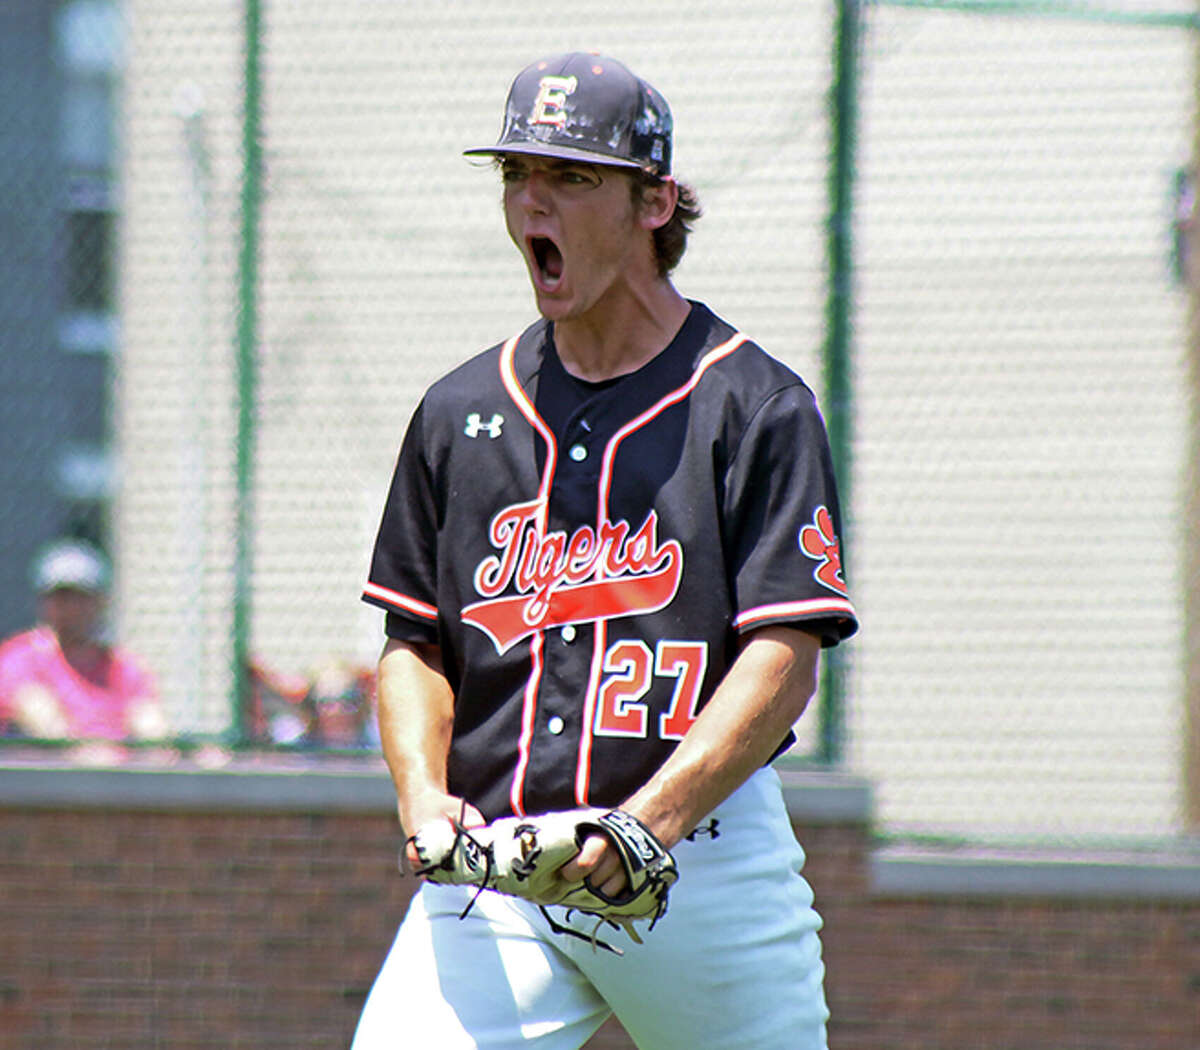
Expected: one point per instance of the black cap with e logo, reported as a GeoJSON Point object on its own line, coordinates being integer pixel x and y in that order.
{"type": "Point", "coordinates": [585, 106]}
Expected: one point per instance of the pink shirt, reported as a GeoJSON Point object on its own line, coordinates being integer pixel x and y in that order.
{"type": "Point", "coordinates": [96, 706]}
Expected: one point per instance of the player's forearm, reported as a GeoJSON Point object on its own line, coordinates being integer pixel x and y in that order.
{"type": "Point", "coordinates": [761, 697]}
{"type": "Point", "coordinates": [416, 716]}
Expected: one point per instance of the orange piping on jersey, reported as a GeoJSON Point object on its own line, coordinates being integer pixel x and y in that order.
{"type": "Point", "coordinates": [583, 773]}
{"type": "Point", "coordinates": [512, 385]}
{"type": "Point", "coordinates": [401, 601]}
{"type": "Point", "coordinates": [516, 794]}
{"type": "Point", "coordinates": [810, 607]}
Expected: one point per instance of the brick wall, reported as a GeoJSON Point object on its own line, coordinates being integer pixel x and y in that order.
{"type": "Point", "coordinates": [156, 924]}
{"type": "Point", "coordinates": [996, 971]}
{"type": "Point", "coordinates": [191, 930]}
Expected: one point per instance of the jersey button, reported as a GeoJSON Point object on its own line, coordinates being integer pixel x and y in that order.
{"type": "Point", "coordinates": [577, 453]}
{"type": "Point", "coordinates": [556, 725]}
{"type": "Point", "coordinates": [568, 633]}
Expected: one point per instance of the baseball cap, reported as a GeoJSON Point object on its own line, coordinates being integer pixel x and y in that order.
{"type": "Point", "coordinates": [585, 106]}
{"type": "Point", "coordinates": [71, 563]}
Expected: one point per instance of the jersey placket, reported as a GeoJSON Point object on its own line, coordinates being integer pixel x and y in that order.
{"type": "Point", "coordinates": [568, 649]}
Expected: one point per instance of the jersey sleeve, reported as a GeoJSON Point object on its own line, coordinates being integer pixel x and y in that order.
{"type": "Point", "coordinates": [403, 575]}
{"type": "Point", "coordinates": [783, 522]}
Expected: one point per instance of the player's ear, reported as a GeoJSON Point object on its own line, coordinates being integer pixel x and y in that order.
{"type": "Point", "coordinates": [657, 201]}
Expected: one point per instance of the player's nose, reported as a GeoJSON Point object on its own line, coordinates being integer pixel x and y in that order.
{"type": "Point", "coordinates": [534, 192]}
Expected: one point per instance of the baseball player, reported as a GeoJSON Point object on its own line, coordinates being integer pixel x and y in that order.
{"type": "Point", "coordinates": [609, 559]}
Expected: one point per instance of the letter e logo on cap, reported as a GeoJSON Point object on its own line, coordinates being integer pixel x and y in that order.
{"type": "Point", "coordinates": [551, 98]}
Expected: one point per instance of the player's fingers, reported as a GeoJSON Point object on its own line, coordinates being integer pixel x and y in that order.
{"type": "Point", "coordinates": [599, 865]}
{"type": "Point", "coordinates": [615, 886]}
{"type": "Point", "coordinates": [609, 878]}
{"type": "Point", "coordinates": [587, 861]}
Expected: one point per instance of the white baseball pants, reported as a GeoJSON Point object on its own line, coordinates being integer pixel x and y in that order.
{"type": "Point", "coordinates": [735, 964]}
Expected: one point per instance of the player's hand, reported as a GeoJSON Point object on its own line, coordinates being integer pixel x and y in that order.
{"type": "Point", "coordinates": [598, 864]}
{"type": "Point", "coordinates": [430, 806]}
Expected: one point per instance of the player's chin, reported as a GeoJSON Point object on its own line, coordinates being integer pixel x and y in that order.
{"type": "Point", "coordinates": [554, 306]}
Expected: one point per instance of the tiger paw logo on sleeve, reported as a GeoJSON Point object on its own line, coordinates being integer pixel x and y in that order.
{"type": "Point", "coordinates": [821, 543]}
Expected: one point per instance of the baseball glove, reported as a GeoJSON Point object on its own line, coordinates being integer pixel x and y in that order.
{"type": "Point", "coordinates": [521, 856]}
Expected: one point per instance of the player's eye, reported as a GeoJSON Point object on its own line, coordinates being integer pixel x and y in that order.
{"type": "Point", "coordinates": [512, 173]}
{"type": "Point", "coordinates": [579, 176]}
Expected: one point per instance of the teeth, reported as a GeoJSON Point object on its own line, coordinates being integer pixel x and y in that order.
{"type": "Point", "coordinates": [547, 256]}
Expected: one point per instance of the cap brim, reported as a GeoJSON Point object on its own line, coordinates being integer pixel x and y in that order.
{"type": "Point", "coordinates": [552, 149]}
{"type": "Point", "coordinates": [82, 586]}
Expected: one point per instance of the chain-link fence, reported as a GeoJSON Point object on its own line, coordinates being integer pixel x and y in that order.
{"type": "Point", "coordinates": [382, 261]}
{"type": "Point", "coordinates": [1017, 360]}
{"type": "Point", "coordinates": [1022, 416]}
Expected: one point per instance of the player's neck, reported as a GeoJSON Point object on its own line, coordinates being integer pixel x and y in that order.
{"type": "Point", "coordinates": [617, 339]}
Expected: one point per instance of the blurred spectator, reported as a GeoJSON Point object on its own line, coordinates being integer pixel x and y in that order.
{"type": "Point", "coordinates": [341, 699]}
{"type": "Point", "coordinates": [330, 707]}
{"type": "Point", "coordinates": [63, 680]}
{"type": "Point", "coordinates": [276, 712]}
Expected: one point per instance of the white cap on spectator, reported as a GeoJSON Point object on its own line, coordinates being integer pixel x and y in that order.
{"type": "Point", "coordinates": [71, 563]}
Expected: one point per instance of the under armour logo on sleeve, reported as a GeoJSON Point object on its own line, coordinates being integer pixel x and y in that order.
{"type": "Point", "coordinates": [475, 424]}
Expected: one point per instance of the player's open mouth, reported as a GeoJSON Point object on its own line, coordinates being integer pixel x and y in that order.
{"type": "Point", "coordinates": [548, 260]}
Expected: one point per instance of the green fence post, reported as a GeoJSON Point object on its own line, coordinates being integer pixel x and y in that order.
{"type": "Point", "coordinates": [838, 400]}
{"type": "Point", "coordinates": [246, 363]}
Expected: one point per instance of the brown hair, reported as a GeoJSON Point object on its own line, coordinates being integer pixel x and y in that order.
{"type": "Point", "coordinates": [670, 239]}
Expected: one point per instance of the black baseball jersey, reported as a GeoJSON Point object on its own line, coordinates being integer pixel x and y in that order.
{"type": "Point", "coordinates": [587, 555]}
